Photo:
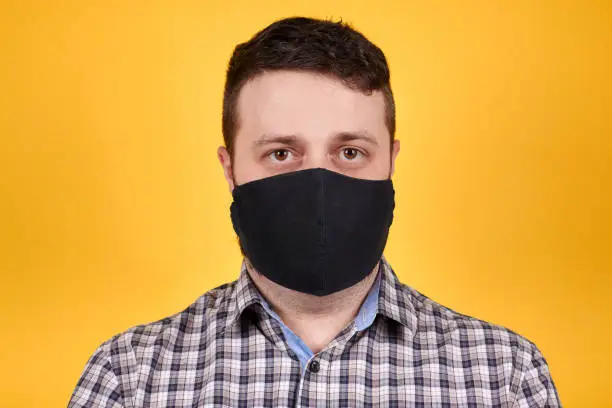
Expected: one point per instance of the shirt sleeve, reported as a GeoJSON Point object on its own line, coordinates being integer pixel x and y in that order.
{"type": "Point", "coordinates": [98, 386]}
{"type": "Point", "coordinates": [536, 389]}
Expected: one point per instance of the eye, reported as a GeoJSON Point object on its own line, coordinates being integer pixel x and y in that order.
{"type": "Point", "coordinates": [280, 155]}
{"type": "Point", "coordinates": [350, 153]}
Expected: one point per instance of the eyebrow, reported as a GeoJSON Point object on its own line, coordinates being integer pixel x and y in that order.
{"type": "Point", "coordinates": [267, 139]}
{"type": "Point", "coordinates": [294, 140]}
{"type": "Point", "coordinates": [360, 135]}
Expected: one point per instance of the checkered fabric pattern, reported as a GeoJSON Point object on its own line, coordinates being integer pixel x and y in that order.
{"type": "Point", "coordinates": [226, 351]}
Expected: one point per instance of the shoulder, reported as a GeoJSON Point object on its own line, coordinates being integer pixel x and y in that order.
{"type": "Point", "coordinates": [484, 349]}
{"type": "Point", "coordinates": [487, 353]}
{"type": "Point", "coordinates": [193, 323]}
{"type": "Point", "coordinates": [114, 371]}
{"type": "Point", "coordinates": [448, 327]}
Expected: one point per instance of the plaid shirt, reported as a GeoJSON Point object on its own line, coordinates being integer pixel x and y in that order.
{"type": "Point", "coordinates": [225, 350]}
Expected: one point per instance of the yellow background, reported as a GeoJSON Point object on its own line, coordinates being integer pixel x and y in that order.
{"type": "Point", "coordinates": [114, 211]}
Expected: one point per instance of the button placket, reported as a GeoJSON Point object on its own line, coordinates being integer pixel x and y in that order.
{"type": "Point", "coordinates": [339, 345]}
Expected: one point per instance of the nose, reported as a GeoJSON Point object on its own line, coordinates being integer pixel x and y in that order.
{"type": "Point", "coordinates": [318, 158]}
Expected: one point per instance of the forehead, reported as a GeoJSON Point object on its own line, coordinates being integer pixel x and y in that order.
{"type": "Point", "coordinates": [307, 104]}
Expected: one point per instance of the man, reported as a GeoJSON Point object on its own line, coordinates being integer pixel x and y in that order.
{"type": "Point", "coordinates": [317, 316]}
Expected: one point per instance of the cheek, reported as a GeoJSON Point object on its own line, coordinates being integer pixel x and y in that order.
{"type": "Point", "coordinates": [378, 168]}
{"type": "Point", "coordinates": [246, 168]}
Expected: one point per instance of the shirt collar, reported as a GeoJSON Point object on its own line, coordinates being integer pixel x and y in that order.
{"type": "Point", "coordinates": [369, 308]}
{"type": "Point", "coordinates": [393, 300]}
{"type": "Point", "coordinates": [244, 295]}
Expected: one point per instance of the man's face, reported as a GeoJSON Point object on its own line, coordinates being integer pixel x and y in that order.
{"type": "Point", "coordinates": [289, 121]}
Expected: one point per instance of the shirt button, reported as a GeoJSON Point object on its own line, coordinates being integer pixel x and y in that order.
{"type": "Point", "coordinates": [314, 366]}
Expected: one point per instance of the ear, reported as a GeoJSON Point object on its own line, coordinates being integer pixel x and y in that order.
{"type": "Point", "coordinates": [226, 162]}
{"type": "Point", "coordinates": [394, 152]}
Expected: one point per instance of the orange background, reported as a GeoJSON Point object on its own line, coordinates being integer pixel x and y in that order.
{"type": "Point", "coordinates": [114, 210]}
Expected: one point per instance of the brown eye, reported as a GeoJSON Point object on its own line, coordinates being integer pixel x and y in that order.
{"type": "Point", "coordinates": [280, 155]}
{"type": "Point", "coordinates": [350, 154]}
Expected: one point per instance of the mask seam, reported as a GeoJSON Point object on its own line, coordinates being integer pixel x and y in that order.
{"type": "Point", "coordinates": [323, 242]}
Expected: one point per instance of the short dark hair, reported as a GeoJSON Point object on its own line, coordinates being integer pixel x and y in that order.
{"type": "Point", "coordinates": [306, 44]}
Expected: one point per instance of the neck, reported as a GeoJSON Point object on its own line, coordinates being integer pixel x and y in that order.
{"type": "Point", "coordinates": [315, 319]}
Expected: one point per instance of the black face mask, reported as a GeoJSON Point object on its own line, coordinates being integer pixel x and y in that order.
{"type": "Point", "coordinates": [314, 231]}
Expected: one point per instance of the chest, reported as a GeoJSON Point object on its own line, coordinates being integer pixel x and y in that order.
{"type": "Point", "coordinates": [364, 371]}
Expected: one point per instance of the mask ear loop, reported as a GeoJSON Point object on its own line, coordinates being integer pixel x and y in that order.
{"type": "Point", "coordinates": [232, 174]}
{"type": "Point", "coordinates": [391, 160]}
